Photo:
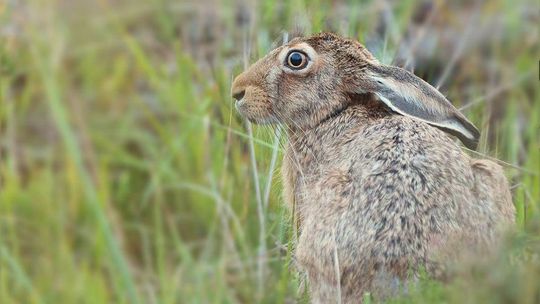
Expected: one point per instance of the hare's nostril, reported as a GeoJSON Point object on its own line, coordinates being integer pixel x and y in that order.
{"type": "Point", "coordinates": [239, 95]}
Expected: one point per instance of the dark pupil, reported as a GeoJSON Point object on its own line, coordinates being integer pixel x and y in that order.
{"type": "Point", "coordinates": [296, 59]}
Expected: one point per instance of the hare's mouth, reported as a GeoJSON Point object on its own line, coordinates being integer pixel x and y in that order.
{"type": "Point", "coordinates": [241, 107]}
{"type": "Point", "coordinates": [256, 112]}
{"type": "Point", "coordinates": [239, 103]}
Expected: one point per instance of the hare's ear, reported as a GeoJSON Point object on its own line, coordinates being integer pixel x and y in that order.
{"type": "Point", "coordinates": [407, 94]}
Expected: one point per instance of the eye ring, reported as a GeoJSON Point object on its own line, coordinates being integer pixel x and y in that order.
{"type": "Point", "coordinates": [296, 60]}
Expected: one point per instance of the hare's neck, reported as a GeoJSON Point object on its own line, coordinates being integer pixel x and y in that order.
{"type": "Point", "coordinates": [306, 147]}
{"type": "Point", "coordinates": [302, 147]}
{"type": "Point", "coordinates": [309, 144]}
{"type": "Point", "coordinates": [355, 106]}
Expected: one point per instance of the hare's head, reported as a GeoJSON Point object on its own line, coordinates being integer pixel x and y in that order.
{"type": "Point", "coordinates": [310, 79]}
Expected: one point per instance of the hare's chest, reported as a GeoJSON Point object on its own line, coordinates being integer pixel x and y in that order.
{"type": "Point", "coordinates": [297, 173]}
{"type": "Point", "coordinates": [288, 177]}
{"type": "Point", "coordinates": [324, 200]}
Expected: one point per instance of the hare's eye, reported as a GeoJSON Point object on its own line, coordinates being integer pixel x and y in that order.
{"type": "Point", "coordinates": [297, 60]}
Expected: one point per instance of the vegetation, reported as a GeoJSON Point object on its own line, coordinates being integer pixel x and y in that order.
{"type": "Point", "coordinates": [126, 175]}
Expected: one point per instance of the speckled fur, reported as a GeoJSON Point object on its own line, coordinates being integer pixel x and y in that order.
{"type": "Point", "coordinates": [378, 196]}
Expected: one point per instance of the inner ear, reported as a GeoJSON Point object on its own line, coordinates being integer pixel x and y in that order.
{"type": "Point", "coordinates": [409, 95]}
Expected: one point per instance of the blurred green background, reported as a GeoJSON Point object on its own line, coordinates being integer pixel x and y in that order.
{"type": "Point", "coordinates": [126, 175]}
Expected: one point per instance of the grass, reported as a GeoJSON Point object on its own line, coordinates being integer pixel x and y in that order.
{"type": "Point", "coordinates": [127, 177]}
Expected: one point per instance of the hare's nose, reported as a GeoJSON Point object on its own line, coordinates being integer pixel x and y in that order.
{"type": "Point", "coordinates": [240, 84]}
{"type": "Point", "coordinates": [239, 94]}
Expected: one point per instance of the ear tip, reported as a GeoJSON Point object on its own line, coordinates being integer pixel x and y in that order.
{"type": "Point", "coordinates": [471, 144]}
{"type": "Point", "coordinates": [469, 134]}
{"type": "Point", "coordinates": [472, 141]}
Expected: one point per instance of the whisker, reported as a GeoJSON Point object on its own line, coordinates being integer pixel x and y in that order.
{"type": "Point", "coordinates": [501, 162]}
{"type": "Point", "coordinates": [266, 195]}
{"type": "Point", "coordinates": [498, 90]}
{"type": "Point", "coordinates": [516, 186]}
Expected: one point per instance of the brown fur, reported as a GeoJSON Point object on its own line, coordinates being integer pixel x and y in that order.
{"type": "Point", "coordinates": [379, 196]}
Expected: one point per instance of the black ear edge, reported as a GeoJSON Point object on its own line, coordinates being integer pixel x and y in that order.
{"type": "Point", "coordinates": [468, 134]}
{"type": "Point", "coordinates": [469, 143]}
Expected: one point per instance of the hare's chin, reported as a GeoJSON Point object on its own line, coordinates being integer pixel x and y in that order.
{"type": "Point", "coordinates": [240, 106]}
{"type": "Point", "coordinates": [264, 120]}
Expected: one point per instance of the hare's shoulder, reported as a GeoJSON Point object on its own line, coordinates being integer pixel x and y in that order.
{"type": "Point", "coordinates": [398, 159]}
{"type": "Point", "coordinates": [398, 139]}
{"type": "Point", "coordinates": [409, 151]}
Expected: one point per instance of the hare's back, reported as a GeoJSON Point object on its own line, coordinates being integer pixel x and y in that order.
{"type": "Point", "coordinates": [414, 157]}
{"type": "Point", "coordinates": [406, 186]}
{"type": "Point", "coordinates": [402, 161]}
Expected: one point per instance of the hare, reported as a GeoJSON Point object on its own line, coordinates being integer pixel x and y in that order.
{"type": "Point", "coordinates": [380, 191]}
